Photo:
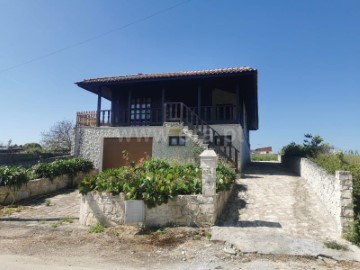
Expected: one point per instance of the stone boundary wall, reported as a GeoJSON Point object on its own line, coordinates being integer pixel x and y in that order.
{"type": "Point", "coordinates": [16, 159]}
{"type": "Point", "coordinates": [38, 187]}
{"type": "Point", "coordinates": [184, 210]}
{"type": "Point", "coordinates": [335, 192]}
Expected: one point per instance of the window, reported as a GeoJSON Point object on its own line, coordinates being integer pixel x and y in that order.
{"type": "Point", "coordinates": [140, 109]}
{"type": "Point", "coordinates": [177, 141]}
{"type": "Point", "coordinates": [223, 140]}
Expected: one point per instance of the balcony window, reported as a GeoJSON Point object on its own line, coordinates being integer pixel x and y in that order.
{"type": "Point", "coordinates": [140, 110]}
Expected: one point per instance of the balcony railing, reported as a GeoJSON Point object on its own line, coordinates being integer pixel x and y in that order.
{"type": "Point", "coordinates": [172, 111]}
{"type": "Point", "coordinates": [90, 118]}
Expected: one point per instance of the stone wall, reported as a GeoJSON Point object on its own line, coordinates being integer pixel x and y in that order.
{"type": "Point", "coordinates": [38, 187]}
{"type": "Point", "coordinates": [88, 142]}
{"type": "Point", "coordinates": [102, 207]}
{"type": "Point", "coordinates": [184, 210]}
{"type": "Point", "coordinates": [335, 192]}
{"type": "Point", "coordinates": [16, 159]}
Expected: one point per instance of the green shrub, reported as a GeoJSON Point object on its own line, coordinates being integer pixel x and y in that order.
{"type": "Point", "coordinates": [264, 157]}
{"type": "Point", "coordinates": [98, 228]}
{"type": "Point", "coordinates": [13, 177]}
{"type": "Point", "coordinates": [225, 176]}
{"type": "Point", "coordinates": [335, 245]}
{"type": "Point", "coordinates": [353, 234]}
{"type": "Point", "coordinates": [59, 167]}
{"type": "Point", "coordinates": [293, 150]}
{"type": "Point", "coordinates": [312, 146]}
{"type": "Point", "coordinates": [155, 181]}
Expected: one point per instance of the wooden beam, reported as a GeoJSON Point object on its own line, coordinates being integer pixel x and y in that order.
{"type": "Point", "coordinates": [129, 106]}
{"type": "Point", "coordinates": [163, 104]}
{"type": "Point", "coordinates": [199, 98]}
{"type": "Point", "coordinates": [238, 106]}
{"type": "Point", "coordinates": [98, 107]}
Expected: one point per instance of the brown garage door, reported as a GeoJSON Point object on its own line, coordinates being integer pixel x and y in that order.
{"type": "Point", "coordinates": [137, 148]}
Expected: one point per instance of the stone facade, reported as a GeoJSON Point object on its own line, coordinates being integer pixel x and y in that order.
{"type": "Point", "coordinates": [88, 141]}
{"type": "Point", "coordinates": [38, 187]}
{"type": "Point", "coordinates": [335, 192]}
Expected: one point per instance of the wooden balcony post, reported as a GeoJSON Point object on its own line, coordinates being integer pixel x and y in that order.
{"type": "Point", "coordinates": [181, 111]}
{"type": "Point", "coordinates": [98, 108]}
{"type": "Point", "coordinates": [129, 107]}
{"type": "Point", "coordinates": [163, 105]}
{"type": "Point", "coordinates": [199, 99]}
{"type": "Point", "coordinates": [238, 113]}
{"type": "Point", "coordinates": [164, 112]}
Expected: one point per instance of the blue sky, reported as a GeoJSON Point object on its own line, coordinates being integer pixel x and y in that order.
{"type": "Point", "coordinates": [307, 54]}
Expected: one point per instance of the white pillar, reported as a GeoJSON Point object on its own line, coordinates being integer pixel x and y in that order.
{"type": "Point", "coordinates": [208, 164]}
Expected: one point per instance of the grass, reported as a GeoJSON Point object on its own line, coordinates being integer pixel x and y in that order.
{"type": "Point", "coordinates": [62, 221]}
{"type": "Point", "coordinates": [10, 209]}
{"type": "Point", "coordinates": [98, 228]}
{"type": "Point", "coordinates": [335, 245]}
{"type": "Point", "coordinates": [264, 157]}
{"type": "Point", "coordinates": [47, 202]}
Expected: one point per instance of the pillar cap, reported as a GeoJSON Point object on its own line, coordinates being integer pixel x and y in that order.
{"type": "Point", "coordinates": [208, 153]}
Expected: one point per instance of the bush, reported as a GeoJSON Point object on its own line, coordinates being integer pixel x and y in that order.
{"type": "Point", "coordinates": [154, 181]}
{"type": "Point", "coordinates": [98, 228]}
{"type": "Point", "coordinates": [353, 234]}
{"type": "Point", "coordinates": [225, 176]}
{"type": "Point", "coordinates": [264, 157]}
{"type": "Point", "coordinates": [312, 146]}
{"type": "Point", "coordinates": [293, 150]}
{"type": "Point", "coordinates": [59, 167]}
{"type": "Point", "coordinates": [13, 177]}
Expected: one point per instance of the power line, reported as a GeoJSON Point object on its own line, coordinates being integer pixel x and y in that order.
{"type": "Point", "coordinates": [38, 58]}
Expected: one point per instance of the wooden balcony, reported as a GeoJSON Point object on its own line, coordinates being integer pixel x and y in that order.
{"type": "Point", "coordinates": [171, 112]}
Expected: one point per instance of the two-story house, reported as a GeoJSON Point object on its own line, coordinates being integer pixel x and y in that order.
{"type": "Point", "coordinates": [171, 116]}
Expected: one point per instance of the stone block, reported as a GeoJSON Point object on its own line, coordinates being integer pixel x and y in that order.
{"type": "Point", "coordinates": [347, 212]}
{"type": "Point", "coordinates": [346, 194]}
{"type": "Point", "coordinates": [343, 175]}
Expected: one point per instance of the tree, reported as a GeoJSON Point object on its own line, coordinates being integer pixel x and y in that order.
{"type": "Point", "coordinates": [33, 148]}
{"type": "Point", "coordinates": [58, 138]}
{"type": "Point", "coordinates": [314, 145]}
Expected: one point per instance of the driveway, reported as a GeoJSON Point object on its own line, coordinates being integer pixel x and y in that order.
{"type": "Point", "coordinates": [272, 211]}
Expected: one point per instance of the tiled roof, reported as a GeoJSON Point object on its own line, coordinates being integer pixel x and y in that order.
{"type": "Point", "coordinates": [169, 75]}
